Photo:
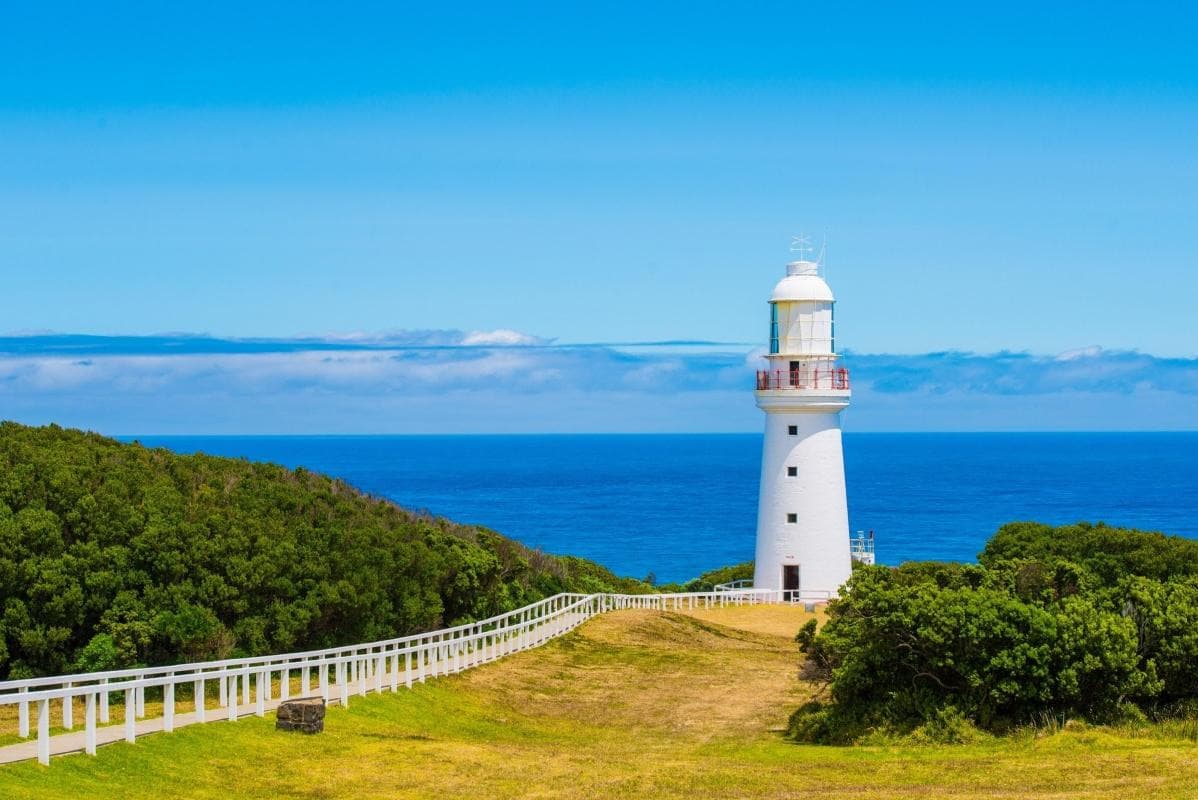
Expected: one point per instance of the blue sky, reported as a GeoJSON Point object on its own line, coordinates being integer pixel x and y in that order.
{"type": "Point", "coordinates": [1013, 179]}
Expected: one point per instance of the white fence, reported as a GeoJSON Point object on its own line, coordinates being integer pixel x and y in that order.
{"type": "Point", "coordinates": [333, 673]}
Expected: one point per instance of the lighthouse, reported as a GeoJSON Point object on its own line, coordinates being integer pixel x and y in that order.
{"type": "Point", "coordinates": [803, 547]}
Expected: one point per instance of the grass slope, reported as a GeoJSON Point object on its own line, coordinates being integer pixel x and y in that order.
{"type": "Point", "coordinates": [634, 704]}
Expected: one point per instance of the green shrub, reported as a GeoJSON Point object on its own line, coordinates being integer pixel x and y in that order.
{"type": "Point", "coordinates": [99, 655]}
{"type": "Point", "coordinates": [1083, 621]}
{"type": "Point", "coordinates": [947, 726]}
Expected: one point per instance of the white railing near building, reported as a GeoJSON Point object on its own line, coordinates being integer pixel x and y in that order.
{"type": "Point", "coordinates": [745, 586]}
{"type": "Point", "coordinates": [861, 547]}
{"type": "Point", "coordinates": [332, 673]}
{"type": "Point", "coordinates": [734, 586]}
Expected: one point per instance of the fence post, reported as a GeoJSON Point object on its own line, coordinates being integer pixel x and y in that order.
{"type": "Point", "coordinates": [224, 691]}
{"type": "Point", "coordinates": [43, 732]}
{"type": "Point", "coordinates": [263, 681]}
{"type": "Point", "coordinates": [197, 692]}
{"type": "Point", "coordinates": [232, 696]}
{"type": "Point", "coordinates": [89, 724]}
{"type": "Point", "coordinates": [68, 710]}
{"type": "Point", "coordinates": [343, 685]}
{"type": "Point", "coordinates": [23, 719]}
{"type": "Point", "coordinates": [104, 702]}
{"type": "Point", "coordinates": [168, 706]}
{"type": "Point", "coordinates": [305, 679]}
{"type": "Point", "coordinates": [130, 715]}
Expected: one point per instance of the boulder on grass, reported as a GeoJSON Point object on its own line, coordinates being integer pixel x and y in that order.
{"type": "Point", "coordinates": [305, 715]}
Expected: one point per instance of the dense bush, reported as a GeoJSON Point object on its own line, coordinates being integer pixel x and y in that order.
{"type": "Point", "coordinates": [1082, 621]}
{"type": "Point", "coordinates": [113, 554]}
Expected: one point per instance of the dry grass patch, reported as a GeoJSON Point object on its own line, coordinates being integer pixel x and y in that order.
{"type": "Point", "coordinates": [645, 670]}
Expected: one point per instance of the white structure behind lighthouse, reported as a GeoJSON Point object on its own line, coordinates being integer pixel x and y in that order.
{"type": "Point", "coordinates": [802, 513]}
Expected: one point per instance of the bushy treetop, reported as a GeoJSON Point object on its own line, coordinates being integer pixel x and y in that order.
{"type": "Point", "coordinates": [115, 554]}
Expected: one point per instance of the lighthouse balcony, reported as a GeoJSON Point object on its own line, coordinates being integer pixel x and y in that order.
{"type": "Point", "coordinates": [806, 378]}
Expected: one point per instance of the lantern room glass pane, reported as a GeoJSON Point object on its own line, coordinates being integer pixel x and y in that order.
{"type": "Point", "coordinates": [773, 327]}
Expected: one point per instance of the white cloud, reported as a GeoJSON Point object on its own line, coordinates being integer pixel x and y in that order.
{"type": "Point", "coordinates": [410, 378]}
{"type": "Point", "coordinates": [1092, 351]}
{"type": "Point", "coordinates": [500, 336]}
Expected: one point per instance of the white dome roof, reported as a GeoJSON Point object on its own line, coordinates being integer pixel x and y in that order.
{"type": "Point", "coordinates": [802, 282]}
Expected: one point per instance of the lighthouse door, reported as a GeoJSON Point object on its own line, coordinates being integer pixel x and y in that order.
{"type": "Point", "coordinates": [790, 582]}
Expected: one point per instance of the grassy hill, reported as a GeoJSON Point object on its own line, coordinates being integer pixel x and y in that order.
{"type": "Point", "coordinates": [114, 554]}
{"type": "Point", "coordinates": [633, 704]}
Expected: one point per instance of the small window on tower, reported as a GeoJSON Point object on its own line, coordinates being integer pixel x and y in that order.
{"type": "Point", "coordinates": [793, 430]}
{"type": "Point", "coordinates": [792, 517]}
{"type": "Point", "coordinates": [792, 472]}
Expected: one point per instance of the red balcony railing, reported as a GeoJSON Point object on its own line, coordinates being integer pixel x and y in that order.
{"type": "Point", "coordinates": [812, 377]}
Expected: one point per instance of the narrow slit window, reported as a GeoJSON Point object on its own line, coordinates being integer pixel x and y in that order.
{"type": "Point", "coordinates": [793, 430]}
{"type": "Point", "coordinates": [792, 517]}
{"type": "Point", "coordinates": [792, 472]}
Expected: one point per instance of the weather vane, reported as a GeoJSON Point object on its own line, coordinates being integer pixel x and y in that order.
{"type": "Point", "coordinates": [802, 245]}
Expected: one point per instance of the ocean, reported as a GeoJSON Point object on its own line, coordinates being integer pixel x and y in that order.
{"type": "Point", "coordinates": [678, 505]}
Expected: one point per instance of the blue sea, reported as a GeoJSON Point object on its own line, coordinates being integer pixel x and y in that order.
{"type": "Point", "coordinates": [678, 505]}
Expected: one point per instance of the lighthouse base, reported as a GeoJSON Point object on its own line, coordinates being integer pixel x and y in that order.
{"type": "Point", "coordinates": [802, 518]}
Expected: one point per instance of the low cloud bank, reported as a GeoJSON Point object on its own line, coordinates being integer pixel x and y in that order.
{"type": "Point", "coordinates": [410, 381]}
{"type": "Point", "coordinates": [1090, 369]}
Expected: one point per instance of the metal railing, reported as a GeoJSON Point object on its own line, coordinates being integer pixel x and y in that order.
{"type": "Point", "coordinates": [333, 673]}
{"type": "Point", "coordinates": [732, 586]}
{"type": "Point", "coordinates": [805, 378]}
{"type": "Point", "coordinates": [861, 547]}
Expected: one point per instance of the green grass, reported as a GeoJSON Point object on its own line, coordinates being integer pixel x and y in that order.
{"type": "Point", "coordinates": [635, 704]}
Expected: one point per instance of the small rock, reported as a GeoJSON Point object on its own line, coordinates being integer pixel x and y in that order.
{"type": "Point", "coordinates": [305, 714]}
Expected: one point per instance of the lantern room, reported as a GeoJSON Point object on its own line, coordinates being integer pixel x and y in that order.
{"type": "Point", "coordinates": [801, 316]}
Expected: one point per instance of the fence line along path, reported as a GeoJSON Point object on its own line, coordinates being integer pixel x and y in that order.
{"type": "Point", "coordinates": [246, 685]}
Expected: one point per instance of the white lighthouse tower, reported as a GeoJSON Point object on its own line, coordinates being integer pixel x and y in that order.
{"type": "Point", "coordinates": [802, 514]}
